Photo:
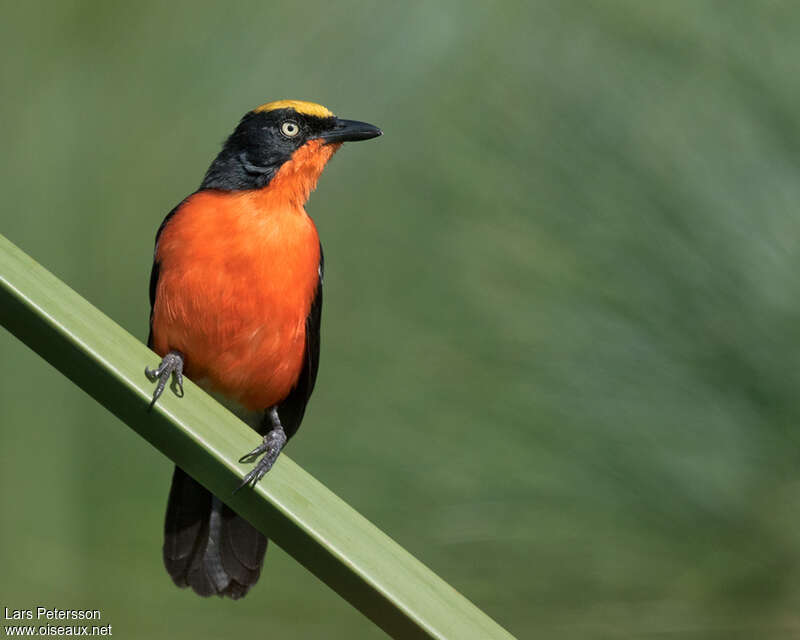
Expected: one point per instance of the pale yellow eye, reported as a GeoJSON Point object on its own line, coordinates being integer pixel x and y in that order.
{"type": "Point", "coordinates": [290, 129]}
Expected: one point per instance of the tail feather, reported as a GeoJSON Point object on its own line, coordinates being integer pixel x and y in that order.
{"type": "Point", "coordinates": [206, 545]}
{"type": "Point", "coordinates": [242, 548]}
{"type": "Point", "coordinates": [186, 525]}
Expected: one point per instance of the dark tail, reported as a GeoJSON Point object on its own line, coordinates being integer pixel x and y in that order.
{"type": "Point", "coordinates": [206, 545]}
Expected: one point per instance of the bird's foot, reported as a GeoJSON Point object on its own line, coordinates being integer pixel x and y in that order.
{"type": "Point", "coordinates": [271, 447]}
{"type": "Point", "coordinates": [171, 365]}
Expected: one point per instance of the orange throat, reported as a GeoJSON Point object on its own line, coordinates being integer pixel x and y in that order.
{"type": "Point", "coordinates": [298, 176]}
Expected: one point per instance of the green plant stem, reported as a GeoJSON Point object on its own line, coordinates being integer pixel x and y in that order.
{"type": "Point", "coordinates": [318, 529]}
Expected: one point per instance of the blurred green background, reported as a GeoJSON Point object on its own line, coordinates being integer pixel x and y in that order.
{"type": "Point", "coordinates": [561, 337]}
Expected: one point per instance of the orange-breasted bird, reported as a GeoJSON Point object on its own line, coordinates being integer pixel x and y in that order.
{"type": "Point", "coordinates": [236, 298]}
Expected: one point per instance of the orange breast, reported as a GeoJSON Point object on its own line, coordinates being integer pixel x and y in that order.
{"type": "Point", "coordinates": [238, 272]}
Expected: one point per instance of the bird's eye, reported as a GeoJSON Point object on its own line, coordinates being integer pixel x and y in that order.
{"type": "Point", "coordinates": [290, 129]}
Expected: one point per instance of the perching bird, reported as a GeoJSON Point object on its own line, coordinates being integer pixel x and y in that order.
{"type": "Point", "coordinates": [236, 296]}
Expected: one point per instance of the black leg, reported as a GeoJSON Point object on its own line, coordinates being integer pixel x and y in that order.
{"type": "Point", "coordinates": [271, 447]}
{"type": "Point", "coordinates": [172, 364]}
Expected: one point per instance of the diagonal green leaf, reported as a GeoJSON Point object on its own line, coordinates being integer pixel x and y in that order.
{"type": "Point", "coordinates": [318, 529]}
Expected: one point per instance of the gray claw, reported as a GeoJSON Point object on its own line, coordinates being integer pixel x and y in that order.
{"type": "Point", "coordinates": [171, 365]}
{"type": "Point", "coordinates": [271, 447]}
{"type": "Point", "coordinates": [253, 455]}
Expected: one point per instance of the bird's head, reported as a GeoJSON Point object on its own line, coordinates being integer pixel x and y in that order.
{"type": "Point", "coordinates": [282, 145]}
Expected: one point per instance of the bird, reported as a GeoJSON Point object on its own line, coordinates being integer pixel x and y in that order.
{"type": "Point", "coordinates": [235, 305]}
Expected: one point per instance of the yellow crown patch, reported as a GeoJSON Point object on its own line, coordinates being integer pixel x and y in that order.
{"type": "Point", "coordinates": [306, 108]}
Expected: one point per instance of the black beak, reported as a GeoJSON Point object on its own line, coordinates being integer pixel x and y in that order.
{"type": "Point", "coordinates": [350, 131]}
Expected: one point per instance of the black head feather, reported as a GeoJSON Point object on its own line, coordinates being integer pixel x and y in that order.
{"type": "Point", "coordinates": [253, 153]}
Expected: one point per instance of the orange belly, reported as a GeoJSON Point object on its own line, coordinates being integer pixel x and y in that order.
{"type": "Point", "coordinates": [237, 276]}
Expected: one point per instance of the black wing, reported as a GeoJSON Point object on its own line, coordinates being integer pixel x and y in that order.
{"type": "Point", "coordinates": [154, 271]}
{"type": "Point", "coordinates": [291, 410]}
